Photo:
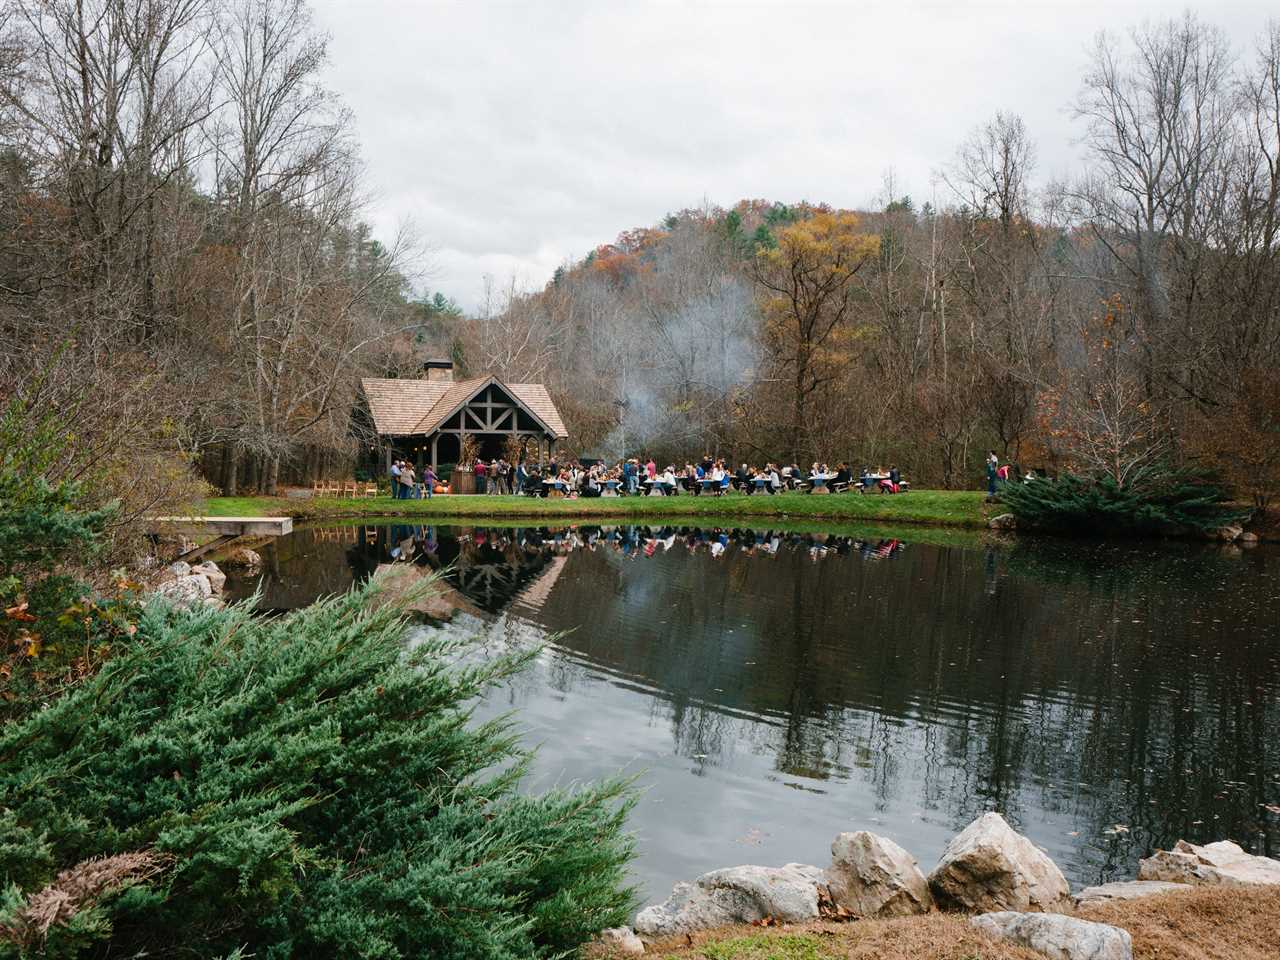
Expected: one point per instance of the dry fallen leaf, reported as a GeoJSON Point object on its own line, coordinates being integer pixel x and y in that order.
{"type": "Point", "coordinates": [19, 612]}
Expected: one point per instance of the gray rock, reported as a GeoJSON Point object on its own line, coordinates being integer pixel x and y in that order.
{"type": "Point", "coordinates": [187, 590]}
{"type": "Point", "coordinates": [735, 895]}
{"type": "Point", "coordinates": [1248, 537]}
{"type": "Point", "coordinates": [1127, 890]}
{"type": "Point", "coordinates": [1006, 521]}
{"type": "Point", "coordinates": [243, 557]}
{"type": "Point", "coordinates": [1215, 864]}
{"type": "Point", "coordinates": [620, 942]}
{"type": "Point", "coordinates": [989, 866]}
{"type": "Point", "coordinates": [872, 876]}
{"type": "Point", "coordinates": [179, 568]}
{"type": "Point", "coordinates": [1058, 937]}
{"type": "Point", "coordinates": [1230, 533]}
{"type": "Point", "coordinates": [217, 579]}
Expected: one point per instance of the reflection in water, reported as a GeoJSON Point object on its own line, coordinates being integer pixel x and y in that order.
{"type": "Point", "coordinates": [773, 689]}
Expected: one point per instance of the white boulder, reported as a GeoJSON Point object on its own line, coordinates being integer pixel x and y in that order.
{"type": "Point", "coordinates": [1215, 864]}
{"type": "Point", "coordinates": [1058, 937]}
{"type": "Point", "coordinates": [872, 876]}
{"type": "Point", "coordinates": [187, 590]}
{"type": "Point", "coordinates": [620, 942]}
{"type": "Point", "coordinates": [179, 568]}
{"type": "Point", "coordinates": [1006, 521]}
{"type": "Point", "coordinates": [1126, 890]}
{"type": "Point", "coordinates": [217, 579]}
{"type": "Point", "coordinates": [990, 866]}
{"type": "Point", "coordinates": [735, 895]}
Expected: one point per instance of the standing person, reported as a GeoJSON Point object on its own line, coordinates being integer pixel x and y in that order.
{"type": "Point", "coordinates": [495, 478]}
{"type": "Point", "coordinates": [394, 473]}
{"type": "Point", "coordinates": [481, 486]}
{"type": "Point", "coordinates": [407, 480]}
{"type": "Point", "coordinates": [651, 469]}
{"type": "Point", "coordinates": [429, 480]}
{"type": "Point", "coordinates": [992, 462]}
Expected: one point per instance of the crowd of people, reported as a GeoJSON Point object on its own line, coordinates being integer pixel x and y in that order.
{"type": "Point", "coordinates": [406, 484]}
{"type": "Point", "coordinates": [633, 477]}
{"type": "Point", "coordinates": [711, 476]}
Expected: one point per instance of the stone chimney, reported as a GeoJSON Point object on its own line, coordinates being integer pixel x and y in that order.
{"type": "Point", "coordinates": [440, 371]}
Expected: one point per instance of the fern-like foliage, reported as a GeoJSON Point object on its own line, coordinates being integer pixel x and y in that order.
{"type": "Point", "coordinates": [1159, 501]}
{"type": "Point", "coordinates": [313, 791]}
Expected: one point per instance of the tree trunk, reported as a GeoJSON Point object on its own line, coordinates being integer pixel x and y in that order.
{"type": "Point", "coordinates": [230, 470]}
{"type": "Point", "coordinates": [273, 476]}
{"type": "Point", "coordinates": [800, 428]}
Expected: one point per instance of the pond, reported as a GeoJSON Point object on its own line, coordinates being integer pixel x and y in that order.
{"type": "Point", "coordinates": [772, 688]}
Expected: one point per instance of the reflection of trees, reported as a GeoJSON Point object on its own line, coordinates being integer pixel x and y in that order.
{"type": "Point", "coordinates": [958, 680]}
{"type": "Point", "coordinates": [960, 673]}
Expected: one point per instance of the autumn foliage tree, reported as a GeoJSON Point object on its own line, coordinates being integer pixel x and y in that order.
{"type": "Point", "coordinates": [1242, 439]}
{"type": "Point", "coordinates": [1098, 417]}
{"type": "Point", "coordinates": [808, 301]}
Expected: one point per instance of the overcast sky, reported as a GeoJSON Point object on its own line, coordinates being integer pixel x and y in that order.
{"type": "Point", "coordinates": [516, 136]}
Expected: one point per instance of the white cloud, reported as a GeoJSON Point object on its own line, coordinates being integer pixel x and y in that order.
{"type": "Point", "coordinates": [518, 135]}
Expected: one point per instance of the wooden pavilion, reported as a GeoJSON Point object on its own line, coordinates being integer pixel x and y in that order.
{"type": "Point", "coordinates": [424, 420]}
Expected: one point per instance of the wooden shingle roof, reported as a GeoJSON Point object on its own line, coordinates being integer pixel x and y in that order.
{"type": "Point", "coordinates": [404, 407]}
{"type": "Point", "coordinates": [535, 397]}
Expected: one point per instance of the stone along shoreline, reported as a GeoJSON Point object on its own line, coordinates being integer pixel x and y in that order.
{"type": "Point", "coordinates": [1013, 892]}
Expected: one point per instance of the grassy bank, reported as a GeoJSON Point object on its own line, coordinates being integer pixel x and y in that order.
{"type": "Point", "coordinates": [958, 508]}
{"type": "Point", "coordinates": [1200, 924]}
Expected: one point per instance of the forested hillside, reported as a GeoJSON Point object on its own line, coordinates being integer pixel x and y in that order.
{"type": "Point", "coordinates": [188, 287]}
{"type": "Point", "coordinates": [185, 277]}
{"type": "Point", "coordinates": [1129, 314]}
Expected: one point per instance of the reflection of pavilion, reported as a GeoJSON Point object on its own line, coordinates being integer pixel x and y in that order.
{"type": "Point", "coordinates": [488, 567]}
{"type": "Point", "coordinates": [535, 594]}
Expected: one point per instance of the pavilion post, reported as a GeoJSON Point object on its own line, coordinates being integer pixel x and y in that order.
{"type": "Point", "coordinates": [435, 451]}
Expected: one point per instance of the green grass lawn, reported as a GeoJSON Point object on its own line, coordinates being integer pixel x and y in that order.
{"type": "Point", "coordinates": [959, 508]}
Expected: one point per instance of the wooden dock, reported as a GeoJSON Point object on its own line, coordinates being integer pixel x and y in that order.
{"type": "Point", "coordinates": [224, 529]}
{"type": "Point", "coordinates": [231, 526]}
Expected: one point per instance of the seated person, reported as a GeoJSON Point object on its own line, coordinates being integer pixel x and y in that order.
{"type": "Point", "coordinates": [843, 477]}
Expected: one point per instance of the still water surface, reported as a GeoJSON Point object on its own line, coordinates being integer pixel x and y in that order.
{"type": "Point", "coordinates": [771, 689]}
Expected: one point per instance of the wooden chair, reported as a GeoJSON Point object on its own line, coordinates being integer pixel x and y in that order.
{"type": "Point", "coordinates": [370, 489]}
{"type": "Point", "coordinates": [349, 489]}
{"type": "Point", "coordinates": [332, 489]}
{"type": "Point", "coordinates": [317, 488]}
